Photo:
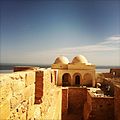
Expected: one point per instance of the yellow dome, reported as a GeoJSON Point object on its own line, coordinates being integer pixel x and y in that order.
{"type": "Point", "coordinates": [61, 60]}
{"type": "Point", "coordinates": [79, 59]}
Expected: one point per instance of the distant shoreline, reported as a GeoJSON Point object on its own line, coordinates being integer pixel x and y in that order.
{"type": "Point", "coordinates": [97, 70]}
{"type": "Point", "coordinates": [8, 68]}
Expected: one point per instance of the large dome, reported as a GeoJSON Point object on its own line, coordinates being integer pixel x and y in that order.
{"type": "Point", "coordinates": [61, 60]}
{"type": "Point", "coordinates": [79, 59]}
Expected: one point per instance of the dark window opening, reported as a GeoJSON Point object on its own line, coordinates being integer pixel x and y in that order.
{"type": "Point", "coordinates": [77, 80]}
{"type": "Point", "coordinates": [101, 106]}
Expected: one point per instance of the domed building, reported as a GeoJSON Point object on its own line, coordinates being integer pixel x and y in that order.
{"type": "Point", "coordinates": [60, 63]}
{"type": "Point", "coordinates": [61, 60]}
{"type": "Point", "coordinates": [79, 59]}
{"type": "Point", "coordinates": [77, 73]}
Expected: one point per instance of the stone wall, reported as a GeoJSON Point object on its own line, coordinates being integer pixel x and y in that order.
{"type": "Point", "coordinates": [20, 90]}
{"type": "Point", "coordinates": [117, 102]}
{"type": "Point", "coordinates": [24, 68]}
{"type": "Point", "coordinates": [73, 99]}
{"type": "Point", "coordinates": [17, 96]}
{"type": "Point", "coordinates": [99, 108]}
{"type": "Point", "coordinates": [76, 100]}
{"type": "Point", "coordinates": [48, 95]}
{"type": "Point", "coordinates": [114, 73]}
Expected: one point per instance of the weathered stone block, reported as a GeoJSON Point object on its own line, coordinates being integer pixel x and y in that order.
{"type": "Point", "coordinates": [15, 101]}
{"type": "Point", "coordinates": [5, 109]}
{"type": "Point", "coordinates": [30, 112]}
{"type": "Point", "coordinates": [23, 116]}
{"type": "Point", "coordinates": [5, 89]}
{"type": "Point", "coordinates": [29, 91]}
{"type": "Point", "coordinates": [30, 78]}
{"type": "Point", "coordinates": [17, 86]}
{"type": "Point", "coordinates": [19, 113]}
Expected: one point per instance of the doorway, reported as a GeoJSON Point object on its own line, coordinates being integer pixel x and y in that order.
{"type": "Point", "coordinates": [66, 79]}
{"type": "Point", "coordinates": [77, 80]}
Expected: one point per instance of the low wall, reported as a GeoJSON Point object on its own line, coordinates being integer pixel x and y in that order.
{"type": "Point", "coordinates": [99, 108]}
{"type": "Point", "coordinates": [17, 95]}
{"type": "Point", "coordinates": [73, 99]}
{"type": "Point", "coordinates": [107, 75]}
{"type": "Point", "coordinates": [24, 68]}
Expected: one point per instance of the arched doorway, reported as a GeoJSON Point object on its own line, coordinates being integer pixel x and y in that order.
{"type": "Point", "coordinates": [66, 78]}
{"type": "Point", "coordinates": [77, 80]}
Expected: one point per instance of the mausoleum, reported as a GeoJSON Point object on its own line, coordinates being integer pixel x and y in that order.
{"type": "Point", "coordinates": [79, 72]}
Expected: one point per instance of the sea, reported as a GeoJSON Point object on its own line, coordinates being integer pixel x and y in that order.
{"type": "Point", "coordinates": [8, 68]}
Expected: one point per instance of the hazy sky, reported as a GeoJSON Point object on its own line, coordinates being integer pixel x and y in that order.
{"type": "Point", "coordinates": [37, 31]}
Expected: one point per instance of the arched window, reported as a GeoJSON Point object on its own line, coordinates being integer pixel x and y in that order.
{"type": "Point", "coordinates": [66, 78]}
{"type": "Point", "coordinates": [77, 79]}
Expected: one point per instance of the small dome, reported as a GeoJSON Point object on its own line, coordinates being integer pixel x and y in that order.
{"type": "Point", "coordinates": [61, 60]}
{"type": "Point", "coordinates": [79, 59]}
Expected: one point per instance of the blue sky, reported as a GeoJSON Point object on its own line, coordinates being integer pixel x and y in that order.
{"type": "Point", "coordinates": [37, 31]}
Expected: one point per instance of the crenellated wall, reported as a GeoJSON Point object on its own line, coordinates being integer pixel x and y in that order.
{"type": "Point", "coordinates": [23, 94]}
{"type": "Point", "coordinates": [17, 95]}
{"type": "Point", "coordinates": [34, 95]}
{"type": "Point", "coordinates": [49, 101]}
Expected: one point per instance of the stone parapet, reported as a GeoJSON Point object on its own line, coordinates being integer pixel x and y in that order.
{"type": "Point", "coordinates": [98, 108]}
{"type": "Point", "coordinates": [17, 96]}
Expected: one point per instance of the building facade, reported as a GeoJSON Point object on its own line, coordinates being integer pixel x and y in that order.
{"type": "Point", "coordinates": [77, 73]}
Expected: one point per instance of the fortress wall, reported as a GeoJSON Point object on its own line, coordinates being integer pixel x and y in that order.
{"type": "Point", "coordinates": [50, 107]}
{"type": "Point", "coordinates": [73, 99]}
{"type": "Point", "coordinates": [20, 90]}
{"type": "Point", "coordinates": [103, 108]}
{"type": "Point", "coordinates": [76, 99]}
{"type": "Point", "coordinates": [87, 107]}
{"type": "Point", "coordinates": [117, 102]}
{"type": "Point", "coordinates": [99, 108]}
{"type": "Point", "coordinates": [17, 95]}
